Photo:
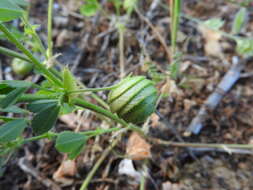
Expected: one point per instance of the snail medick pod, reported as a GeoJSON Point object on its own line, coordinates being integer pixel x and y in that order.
{"type": "Point", "coordinates": [134, 99]}
{"type": "Point", "coordinates": [21, 67]}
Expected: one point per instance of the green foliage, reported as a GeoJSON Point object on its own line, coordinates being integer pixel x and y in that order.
{"type": "Point", "coordinates": [70, 143]}
{"type": "Point", "coordinates": [12, 97]}
{"type": "Point", "coordinates": [11, 130]}
{"type": "Point", "coordinates": [90, 7]}
{"type": "Point", "coordinates": [239, 20]}
{"type": "Point", "coordinates": [9, 10]}
{"type": "Point", "coordinates": [13, 109]}
{"type": "Point", "coordinates": [44, 120]}
{"type": "Point", "coordinates": [244, 46]}
{"type": "Point", "coordinates": [214, 23]}
{"type": "Point", "coordinates": [16, 83]}
{"type": "Point", "coordinates": [40, 105]}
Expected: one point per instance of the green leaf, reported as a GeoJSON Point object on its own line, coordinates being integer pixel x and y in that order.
{"type": "Point", "coordinates": [244, 46]}
{"type": "Point", "coordinates": [21, 2]}
{"type": "Point", "coordinates": [67, 108]}
{"type": "Point", "coordinates": [9, 10]}
{"type": "Point", "coordinates": [16, 83]}
{"type": "Point", "coordinates": [13, 109]}
{"type": "Point", "coordinates": [45, 120]}
{"type": "Point", "coordinates": [3, 86]}
{"type": "Point", "coordinates": [70, 143]}
{"type": "Point", "coordinates": [12, 97]}
{"type": "Point", "coordinates": [11, 130]}
{"type": "Point", "coordinates": [214, 23]}
{"type": "Point", "coordinates": [40, 105]}
{"type": "Point", "coordinates": [239, 21]}
{"type": "Point", "coordinates": [90, 8]}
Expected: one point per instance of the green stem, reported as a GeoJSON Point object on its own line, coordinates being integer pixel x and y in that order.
{"type": "Point", "coordinates": [49, 29]}
{"type": "Point", "coordinates": [34, 97]}
{"type": "Point", "coordinates": [97, 109]}
{"type": "Point", "coordinates": [93, 89]}
{"type": "Point", "coordinates": [48, 135]}
{"type": "Point", "coordinates": [121, 29]}
{"type": "Point", "coordinates": [100, 131]}
{"type": "Point", "coordinates": [35, 61]}
{"type": "Point", "coordinates": [12, 53]}
{"type": "Point", "coordinates": [175, 15]}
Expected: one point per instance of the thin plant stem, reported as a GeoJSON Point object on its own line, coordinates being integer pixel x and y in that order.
{"type": "Point", "coordinates": [121, 30]}
{"type": "Point", "coordinates": [12, 53]}
{"type": "Point", "coordinates": [175, 15]}
{"type": "Point", "coordinates": [200, 145]}
{"type": "Point", "coordinates": [51, 77]}
{"type": "Point", "coordinates": [97, 109]}
{"type": "Point", "coordinates": [98, 163]}
{"type": "Point", "coordinates": [50, 135]}
{"type": "Point", "coordinates": [93, 89]}
{"type": "Point", "coordinates": [49, 29]}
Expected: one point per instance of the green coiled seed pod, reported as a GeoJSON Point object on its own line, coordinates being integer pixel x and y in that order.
{"type": "Point", "coordinates": [134, 99]}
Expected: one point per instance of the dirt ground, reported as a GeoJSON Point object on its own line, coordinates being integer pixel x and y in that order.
{"type": "Point", "coordinates": [89, 46]}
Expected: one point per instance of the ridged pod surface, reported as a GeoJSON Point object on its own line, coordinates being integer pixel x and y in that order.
{"type": "Point", "coordinates": [133, 99]}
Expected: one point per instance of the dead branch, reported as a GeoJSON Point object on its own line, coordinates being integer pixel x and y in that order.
{"type": "Point", "coordinates": [214, 99]}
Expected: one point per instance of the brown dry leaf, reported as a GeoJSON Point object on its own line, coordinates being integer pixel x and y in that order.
{"type": "Point", "coordinates": [154, 118]}
{"type": "Point", "coordinates": [69, 119]}
{"type": "Point", "coordinates": [67, 169]}
{"type": "Point", "coordinates": [170, 88]}
{"type": "Point", "coordinates": [137, 147]}
{"type": "Point", "coordinates": [212, 45]}
{"type": "Point", "coordinates": [63, 38]}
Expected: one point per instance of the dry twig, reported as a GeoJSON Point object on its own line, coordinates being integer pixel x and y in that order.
{"type": "Point", "coordinates": [214, 99]}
